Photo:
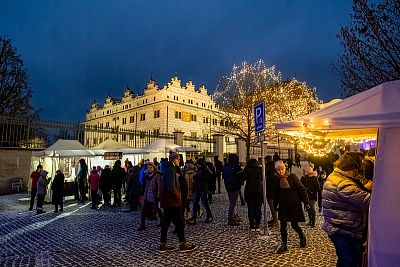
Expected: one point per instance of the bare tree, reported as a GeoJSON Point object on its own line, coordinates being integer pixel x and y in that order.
{"type": "Point", "coordinates": [15, 92]}
{"type": "Point", "coordinates": [371, 46]}
{"type": "Point", "coordinates": [249, 84]}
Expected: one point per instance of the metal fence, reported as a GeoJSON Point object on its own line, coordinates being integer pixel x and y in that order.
{"type": "Point", "coordinates": [38, 134]}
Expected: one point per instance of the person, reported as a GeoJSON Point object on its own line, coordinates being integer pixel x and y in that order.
{"type": "Point", "coordinates": [134, 188]}
{"type": "Point", "coordinates": [94, 180]}
{"type": "Point", "coordinates": [41, 191]}
{"type": "Point", "coordinates": [189, 173]}
{"type": "Point", "coordinates": [151, 195]}
{"type": "Point", "coordinates": [289, 163]}
{"type": "Point", "coordinates": [170, 201]}
{"type": "Point", "coordinates": [276, 157]}
{"type": "Point", "coordinates": [105, 185]}
{"type": "Point", "coordinates": [35, 177]}
{"type": "Point", "coordinates": [57, 186]}
{"type": "Point", "coordinates": [297, 159]}
{"type": "Point", "coordinates": [232, 179]}
{"type": "Point", "coordinates": [310, 181]}
{"type": "Point", "coordinates": [211, 181]}
{"type": "Point", "coordinates": [82, 180]}
{"type": "Point", "coordinates": [118, 179]}
{"type": "Point", "coordinates": [272, 196]}
{"type": "Point", "coordinates": [345, 204]}
{"type": "Point", "coordinates": [201, 183]}
{"type": "Point", "coordinates": [291, 193]}
{"type": "Point", "coordinates": [253, 193]}
{"type": "Point", "coordinates": [218, 172]}
{"type": "Point", "coordinates": [321, 180]}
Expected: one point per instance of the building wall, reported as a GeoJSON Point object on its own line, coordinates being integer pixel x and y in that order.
{"type": "Point", "coordinates": [15, 163]}
{"type": "Point", "coordinates": [179, 109]}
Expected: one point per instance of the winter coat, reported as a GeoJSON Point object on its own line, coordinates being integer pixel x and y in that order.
{"type": "Point", "coordinates": [134, 187]}
{"type": "Point", "coordinates": [213, 178]}
{"type": "Point", "coordinates": [232, 177]}
{"type": "Point", "coordinates": [202, 179]}
{"type": "Point", "coordinates": [345, 205]}
{"type": "Point", "coordinates": [117, 177]}
{"type": "Point", "coordinates": [152, 186]}
{"type": "Point", "coordinates": [57, 186]}
{"type": "Point", "coordinates": [35, 177]}
{"type": "Point", "coordinates": [312, 185]}
{"type": "Point", "coordinates": [94, 180]}
{"type": "Point", "coordinates": [289, 200]}
{"type": "Point", "coordinates": [272, 181]}
{"type": "Point", "coordinates": [170, 195]}
{"type": "Point", "coordinates": [253, 191]}
{"type": "Point", "coordinates": [218, 167]}
{"type": "Point", "coordinates": [189, 173]}
{"type": "Point", "coordinates": [105, 179]}
{"type": "Point", "coordinates": [42, 183]}
{"type": "Point", "coordinates": [82, 174]}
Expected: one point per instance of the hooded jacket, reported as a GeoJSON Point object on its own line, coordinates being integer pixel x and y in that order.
{"type": "Point", "coordinates": [345, 205]}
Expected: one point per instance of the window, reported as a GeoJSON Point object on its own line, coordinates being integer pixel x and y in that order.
{"type": "Point", "coordinates": [178, 115]}
{"type": "Point", "coordinates": [94, 141]}
{"type": "Point", "coordinates": [123, 121]}
{"type": "Point", "coordinates": [123, 137]}
{"type": "Point", "coordinates": [146, 100]}
{"type": "Point", "coordinates": [221, 123]}
{"type": "Point", "coordinates": [194, 117]}
{"type": "Point", "coordinates": [156, 132]}
{"type": "Point", "coordinates": [142, 116]}
{"type": "Point", "coordinates": [157, 114]}
{"type": "Point", "coordinates": [131, 119]}
{"type": "Point", "coordinates": [142, 135]}
{"type": "Point", "coordinates": [107, 124]}
{"type": "Point", "coordinates": [193, 134]}
{"type": "Point", "coordinates": [154, 99]}
{"type": "Point", "coordinates": [101, 125]}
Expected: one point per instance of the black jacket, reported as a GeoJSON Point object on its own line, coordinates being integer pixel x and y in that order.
{"type": "Point", "coordinates": [289, 200]}
{"type": "Point", "coordinates": [118, 177]}
{"type": "Point", "coordinates": [312, 186]}
{"type": "Point", "coordinates": [253, 191]}
{"type": "Point", "coordinates": [58, 189]}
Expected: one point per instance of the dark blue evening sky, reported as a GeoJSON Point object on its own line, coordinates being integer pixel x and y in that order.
{"type": "Point", "coordinates": [77, 51]}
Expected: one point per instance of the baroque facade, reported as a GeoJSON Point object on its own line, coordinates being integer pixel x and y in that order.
{"type": "Point", "coordinates": [165, 110]}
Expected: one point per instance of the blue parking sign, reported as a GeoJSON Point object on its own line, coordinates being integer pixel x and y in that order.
{"type": "Point", "coordinates": [259, 117]}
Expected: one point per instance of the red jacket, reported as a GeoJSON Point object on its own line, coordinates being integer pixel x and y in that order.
{"type": "Point", "coordinates": [35, 177]}
{"type": "Point", "coordinates": [94, 179]}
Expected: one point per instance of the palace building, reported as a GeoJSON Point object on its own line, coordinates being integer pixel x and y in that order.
{"type": "Point", "coordinates": [165, 110]}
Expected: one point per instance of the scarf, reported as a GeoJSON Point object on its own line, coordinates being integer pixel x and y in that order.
{"type": "Point", "coordinates": [283, 181]}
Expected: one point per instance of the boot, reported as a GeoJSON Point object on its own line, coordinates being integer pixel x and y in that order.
{"type": "Point", "coordinates": [282, 249]}
{"type": "Point", "coordinates": [303, 242]}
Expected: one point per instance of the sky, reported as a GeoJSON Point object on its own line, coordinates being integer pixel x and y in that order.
{"type": "Point", "coordinates": [78, 51]}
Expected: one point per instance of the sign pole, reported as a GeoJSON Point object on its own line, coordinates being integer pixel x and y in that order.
{"type": "Point", "coordinates": [264, 189]}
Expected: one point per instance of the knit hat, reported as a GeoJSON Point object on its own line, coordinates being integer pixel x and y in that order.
{"type": "Point", "coordinates": [308, 169]}
{"type": "Point", "coordinates": [152, 164]}
{"type": "Point", "coordinates": [349, 161]}
{"type": "Point", "coordinates": [173, 156]}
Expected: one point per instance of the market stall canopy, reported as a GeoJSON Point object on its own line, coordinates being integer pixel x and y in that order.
{"type": "Point", "coordinates": [359, 115]}
{"type": "Point", "coordinates": [65, 148]}
{"type": "Point", "coordinates": [111, 145]}
{"type": "Point", "coordinates": [161, 146]}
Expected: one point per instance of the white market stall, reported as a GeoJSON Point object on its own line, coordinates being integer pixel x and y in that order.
{"type": "Point", "coordinates": [372, 113]}
{"type": "Point", "coordinates": [160, 148]}
{"type": "Point", "coordinates": [110, 145]}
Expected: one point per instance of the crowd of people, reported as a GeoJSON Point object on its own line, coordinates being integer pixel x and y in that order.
{"type": "Point", "coordinates": [178, 194]}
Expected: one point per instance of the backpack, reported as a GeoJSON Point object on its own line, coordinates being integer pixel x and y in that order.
{"type": "Point", "coordinates": [170, 196]}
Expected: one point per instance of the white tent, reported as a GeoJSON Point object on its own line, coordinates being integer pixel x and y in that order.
{"type": "Point", "coordinates": [376, 111]}
{"type": "Point", "coordinates": [111, 145]}
{"type": "Point", "coordinates": [161, 146]}
{"type": "Point", "coordinates": [64, 148]}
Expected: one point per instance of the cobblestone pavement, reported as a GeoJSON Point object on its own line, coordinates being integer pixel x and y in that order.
{"type": "Point", "coordinates": [108, 237]}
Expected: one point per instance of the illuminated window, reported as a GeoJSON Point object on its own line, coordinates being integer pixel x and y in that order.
{"type": "Point", "coordinates": [178, 115]}
{"type": "Point", "coordinates": [123, 121]}
{"type": "Point", "coordinates": [142, 117]}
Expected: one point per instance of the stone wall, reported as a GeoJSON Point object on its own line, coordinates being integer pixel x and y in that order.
{"type": "Point", "coordinates": [14, 163]}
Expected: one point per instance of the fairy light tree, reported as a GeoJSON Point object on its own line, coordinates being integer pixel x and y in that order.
{"type": "Point", "coordinates": [251, 83]}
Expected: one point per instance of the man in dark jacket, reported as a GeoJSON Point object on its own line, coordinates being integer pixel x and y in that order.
{"type": "Point", "coordinates": [118, 179]}
{"type": "Point", "coordinates": [134, 188]}
{"type": "Point", "coordinates": [218, 172]}
{"type": "Point", "coordinates": [211, 181]}
{"type": "Point", "coordinates": [170, 201]}
{"type": "Point", "coordinates": [106, 184]}
{"type": "Point", "coordinates": [272, 196]}
{"type": "Point", "coordinates": [232, 180]}
{"type": "Point", "coordinates": [57, 186]}
{"type": "Point", "coordinates": [253, 193]}
{"type": "Point", "coordinates": [201, 183]}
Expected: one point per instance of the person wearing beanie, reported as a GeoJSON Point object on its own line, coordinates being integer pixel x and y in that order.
{"type": "Point", "coordinates": [310, 181]}
{"type": "Point", "coordinates": [345, 204]}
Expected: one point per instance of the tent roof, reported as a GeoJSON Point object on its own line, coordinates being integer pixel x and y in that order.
{"type": "Point", "coordinates": [110, 144]}
{"type": "Point", "coordinates": [359, 115]}
{"type": "Point", "coordinates": [65, 148]}
{"type": "Point", "coordinates": [161, 145]}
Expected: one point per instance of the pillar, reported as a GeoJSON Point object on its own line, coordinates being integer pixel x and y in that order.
{"type": "Point", "coordinates": [178, 138]}
{"type": "Point", "coordinates": [219, 146]}
{"type": "Point", "coordinates": [241, 150]}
